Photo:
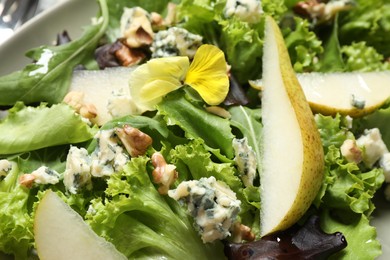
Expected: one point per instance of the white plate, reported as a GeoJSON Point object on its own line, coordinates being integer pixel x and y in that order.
{"type": "Point", "coordinates": [72, 16]}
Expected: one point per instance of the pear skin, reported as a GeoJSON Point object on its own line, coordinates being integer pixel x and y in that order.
{"type": "Point", "coordinates": [293, 158]}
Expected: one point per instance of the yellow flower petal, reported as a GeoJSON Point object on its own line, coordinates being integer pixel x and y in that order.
{"type": "Point", "coordinates": [208, 74]}
{"type": "Point", "coordinates": [150, 82]}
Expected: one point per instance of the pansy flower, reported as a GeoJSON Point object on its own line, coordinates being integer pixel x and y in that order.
{"type": "Point", "coordinates": [207, 74]}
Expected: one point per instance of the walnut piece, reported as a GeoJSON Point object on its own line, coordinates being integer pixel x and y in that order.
{"type": "Point", "coordinates": [135, 141]}
{"type": "Point", "coordinates": [241, 232]}
{"type": "Point", "coordinates": [163, 173]}
{"type": "Point", "coordinates": [128, 56]}
{"type": "Point", "coordinates": [26, 180]}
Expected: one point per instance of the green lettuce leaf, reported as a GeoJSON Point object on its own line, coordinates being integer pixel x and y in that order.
{"type": "Point", "coordinates": [361, 237]}
{"type": "Point", "coordinates": [49, 77]}
{"type": "Point", "coordinates": [303, 45]}
{"type": "Point", "coordinates": [360, 57]}
{"type": "Point", "coordinates": [368, 21]}
{"type": "Point", "coordinates": [16, 224]}
{"type": "Point", "coordinates": [248, 121]}
{"type": "Point", "coordinates": [141, 223]}
{"type": "Point", "coordinates": [197, 122]}
{"type": "Point", "coordinates": [31, 128]}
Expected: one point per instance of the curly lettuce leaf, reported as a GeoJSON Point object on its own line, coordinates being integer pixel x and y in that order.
{"type": "Point", "coordinates": [368, 21]}
{"type": "Point", "coordinates": [360, 57]}
{"type": "Point", "coordinates": [347, 186]}
{"type": "Point", "coordinates": [345, 199]}
{"type": "Point", "coordinates": [49, 77]}
{"type": "Point", "coordinates": [31, 128]}
{"type": "Point", "coordinates": [243, 45]}
{"type": "Point", "coordinates": [193, 161]}
{"type": "Point", "coordinates": [303, 45]}
{"type": "Point", "coordinates": [16, 224]}
{"type": "Point", "coordinates": [141, 223]}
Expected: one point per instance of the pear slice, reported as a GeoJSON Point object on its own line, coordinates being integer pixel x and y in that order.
{"type": "Point", "coordinates": [293, 159]}
{"type": "Point", "coordinates": [352, 93]}
{"type": "Point", "coordinates": [348, 93]}
{"type": "Point", "coordinates": [99, 86]}
{"type": "Point", "coordinates": [60, 233]}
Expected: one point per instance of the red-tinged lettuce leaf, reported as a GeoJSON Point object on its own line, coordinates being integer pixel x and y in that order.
{"type": "Point", "coordinates": [49, 77]}
{"type": "Point", "coordinates": [31, 128]}
{"type": "Point", "coordinates": [306, 242]}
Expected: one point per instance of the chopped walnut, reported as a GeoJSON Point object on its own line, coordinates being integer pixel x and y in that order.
{"type": "Point", "coordinates": [136, 27]}
{"type": "Point", "coordinates": [128, 56]}
{"type": "Point", "coordinates": [350, 150]}
{"type": "Point", "coordinates": [135, 141]}
{"type": "Point", "coordinates": [163, 173]}
{"type": "Point", "coordinates": [27, 180]}
{"type": "Point", "coordinates": [320, 11]}
{"type": "Point", "coordinates": [75, 99]}
{"type": "Point", "coordinates": [88, 111]}
{"type": "Point", "coordinates": [241, 232]}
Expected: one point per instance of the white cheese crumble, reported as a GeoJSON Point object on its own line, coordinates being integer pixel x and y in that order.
{"type": "Point", "coordinates": [384, 163]}
{"type": "Point", "coordinates": [109, 156]}
{"type": "Point", "coordinates": [372, 145]}
{"type": "Point", "coordinates": [5, 167]}
{"type": "Point", "coordinates": [78, 170]}
{"type": "Point", "coordinates": [213, 205]}
{"type": "Point", "coordinates": [45, 175]}
{"type": "Point", "coordinates": [121, 104]}
{"type": "Point", "coordinates": [245, 159]}
{"type": "Point", "coordinates": [249, 11]}
{"type": "Point", "coordinates": [175, 42]}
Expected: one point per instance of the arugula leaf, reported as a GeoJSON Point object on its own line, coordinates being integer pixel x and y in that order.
{"type": "Point", "coordinates": [332, 59]}
{"type": "Point", "coordinates": [196, 122]}
{"type": "Point", "coordinates": [31, 128]}
{"type": "Point", "coordinates": [49, 77]}
{"type": "Point", "coordinates": [248, 122]}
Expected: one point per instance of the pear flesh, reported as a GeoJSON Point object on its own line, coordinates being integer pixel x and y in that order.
{"type": "Point", "coordinates": [293, 159]}
{"type": "Point", "coordinates": [60, 233]}
{"type": "Point", "coordinates": [350, 93]}
{"type": "Point", "coordinates": [98, 86]}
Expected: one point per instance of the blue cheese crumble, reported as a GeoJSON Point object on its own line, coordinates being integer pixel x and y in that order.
{"type": "Point", "coordinates": [78, 170]}
{"type": "Point", "coordinates": [109, 156]}
{"type": "Point", "coordinates": [45, 175]}
{"type": "Point", "coordinates": [175, 42]}
{"type": "Point", "coordinates": [249, 11]}
{"type": "Point", "coordinates": [372, 145]}
{"type": "Point", "coordinates": [121, 104]}
{"type": "Point", "coordinates": [245, 159]}
{"type": "Point", "coordinates": [5, 167]}
{"type": "Point", "coordinates": [212, 204]}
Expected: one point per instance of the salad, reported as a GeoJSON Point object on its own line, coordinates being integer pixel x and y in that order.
{"type": "Point", "coordinates": [168, 165]}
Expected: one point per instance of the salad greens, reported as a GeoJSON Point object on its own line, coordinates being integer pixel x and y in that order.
{"type": "Point", "coordinates": [126, 207]}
